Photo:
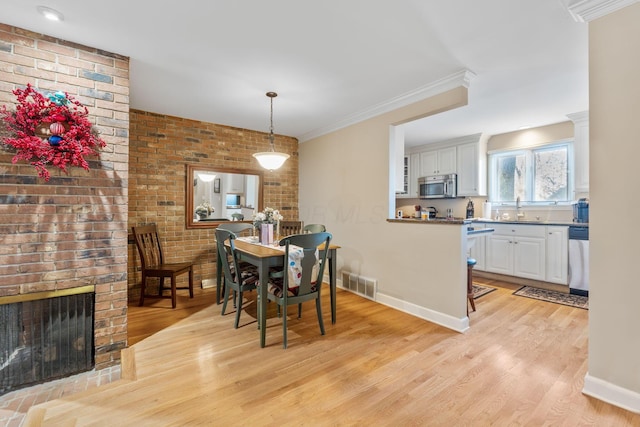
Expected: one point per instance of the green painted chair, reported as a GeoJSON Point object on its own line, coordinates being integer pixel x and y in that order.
{"type": "Point", "coordinates": [237, 217]}
{"type": "Point", "coordinates": [236, 277]}
{"type": "Point", "coordinates": [302, 278]}
{"type": "Point", "coordinates": [239, 229]}
{"type": "Point", "coordinates": [236, 227]}
{"type": "Point", "coordinates": [314, 228]}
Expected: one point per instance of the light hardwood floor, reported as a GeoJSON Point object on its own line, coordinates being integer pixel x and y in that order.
{"type": "Point", "coordinates": [521, 364]}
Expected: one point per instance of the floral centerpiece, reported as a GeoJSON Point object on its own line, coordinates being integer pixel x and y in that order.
{"type": "Point", "coordinates": [204, 209]}
{"type": "Point", "coordinates": [51, 130]}
{"type": "Point", "coordinates": [267, 216]}
{"type": "Point", "coordinates": [264, 218]}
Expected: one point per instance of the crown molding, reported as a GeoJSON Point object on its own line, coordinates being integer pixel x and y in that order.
{"type": "Point", "coordinates": [460, 78]}
{"type": "Point", "coordinates": [588, 10]}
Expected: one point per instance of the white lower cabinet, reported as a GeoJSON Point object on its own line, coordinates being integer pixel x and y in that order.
{"type": "Point", "coordinates": [477, 250]}
{"type": "Point", "coordinates": [557, 268]}
{"type": "Point", "coordinates": [517, 250]}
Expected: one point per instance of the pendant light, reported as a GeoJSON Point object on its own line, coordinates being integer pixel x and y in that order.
{"type": "Point", "coordinates": [271, 159]}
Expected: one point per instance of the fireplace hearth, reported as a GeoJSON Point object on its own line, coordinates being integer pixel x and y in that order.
{"type": "Point", "coordinates": [45, 339]}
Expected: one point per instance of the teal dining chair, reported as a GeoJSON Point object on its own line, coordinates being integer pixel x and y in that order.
{"type": "Point", "coordinates": [236, 277]}
{"type": "Point", "coordinates": [236, 227]}
{"type": "Point", "coordinates": [239, 229]}
{"type": "Point", "coordinates": [302, 275]}
{"type": "Point", "coordinates": [314, 228]}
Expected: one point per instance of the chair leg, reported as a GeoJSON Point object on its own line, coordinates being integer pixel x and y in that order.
{"type": "Point", "coordinates": [173, 292]}
{"type": "Point", "coordinates": [284, 325]}
{"type": "Point", "coordinates": [238, 310]}
{"type": "Point", "coordinates": [225, 298]}
{"type": "Point", "coordinates": [191, 282]}
{"type": "Point", "coordinates": [319, 310]}
{"type": "Point", "coordinates": [299, 310]}
{"type": "Point", "coordinates": [142, 289]}
{"type": "Point", "coordinates": [470, 289]}
{"type": "Point", "coordinates": [160, 285]}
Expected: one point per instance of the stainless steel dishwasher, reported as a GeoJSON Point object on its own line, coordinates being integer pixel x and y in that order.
{"type": "Point", "coordinates": [579, 260]}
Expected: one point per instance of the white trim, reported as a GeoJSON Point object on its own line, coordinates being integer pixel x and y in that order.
{"type": "Point", "coordinates": [461, 78]}
{"type": "Point", "coordinates": [458, 325]}
{"type": "Point", "coordinates": [611, 393]}
{"type": "Point", "coordinates": [588, 10]}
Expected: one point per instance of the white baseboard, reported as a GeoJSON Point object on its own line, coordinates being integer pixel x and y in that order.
{"type": "Point", "coordinates": [611, 393]}
{"type": "Point", "coordinates": [458, 325]}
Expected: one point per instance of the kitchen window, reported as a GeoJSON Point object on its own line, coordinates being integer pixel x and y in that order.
{"type": "Point", "coordinates": [539, 175]}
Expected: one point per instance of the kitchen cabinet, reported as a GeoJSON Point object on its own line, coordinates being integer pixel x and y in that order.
{"type": "Point", "coordinates": [472, 168]}
{"type": "Point", "coordinates": [477, 250]}
{"type": "Point", "coordinates": [235, 183]}
{"type": "Point", "coordinates": [411, 173]}
{"type": "Point", "coordinates": [557, 262]}
{"type": "Point", "coordinates": [517, 250]}
{"type": "Point", "coordinates": [438, 162]}
{"type": "Point", "coordinates": [414, 174]}
{"type": "Point", "coordinates": [581, 150]}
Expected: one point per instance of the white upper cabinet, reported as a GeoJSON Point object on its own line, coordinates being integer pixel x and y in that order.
{"type": "Point", "coordinates": [472, 167]}
{"type": "Point", "coordinates": [438, 162]}
{"type": "Point", "coordinates": [581, 150]}
{"type": "Point", "coordinates": [414, 172]}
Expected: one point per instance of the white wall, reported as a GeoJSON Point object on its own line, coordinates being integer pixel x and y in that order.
{"type": "Point", "coordinates": [614, 123]}
{"type": "Point", "coordinates": [345, 184]}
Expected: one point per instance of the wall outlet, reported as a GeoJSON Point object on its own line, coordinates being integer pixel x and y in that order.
{"type": "Point", "coordinates": [208, 283]}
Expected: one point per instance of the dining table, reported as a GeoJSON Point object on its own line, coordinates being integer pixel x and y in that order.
{"type": "Point", "coordinates": [266, 256]}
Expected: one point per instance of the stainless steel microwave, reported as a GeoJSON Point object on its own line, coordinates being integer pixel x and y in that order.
{"type": "Point", "coordinates": [438, 186]}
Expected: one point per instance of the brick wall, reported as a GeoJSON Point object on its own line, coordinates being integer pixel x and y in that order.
{"type": "Point", "coordinates": [71, 231]}
{"type": "Point", "coordinates": [160, 148]}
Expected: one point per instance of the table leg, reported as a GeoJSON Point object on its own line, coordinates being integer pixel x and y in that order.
{"type": "Point", "coordinates": [332, 283]}
{"type": "Point", "coordinates": [263, 271]}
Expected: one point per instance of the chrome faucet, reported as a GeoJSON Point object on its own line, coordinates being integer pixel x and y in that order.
{"type": "Point", "coordinates": [519, 213]}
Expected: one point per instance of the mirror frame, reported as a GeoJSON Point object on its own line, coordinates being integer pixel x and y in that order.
{"type": "Point", "coordinates": [189, 205]}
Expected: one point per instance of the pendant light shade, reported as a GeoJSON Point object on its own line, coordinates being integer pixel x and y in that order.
{"type": "Point", "coordinates": [271, 159]}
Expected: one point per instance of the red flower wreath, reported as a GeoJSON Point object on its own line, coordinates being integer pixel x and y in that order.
{"type": "Point", "coordinates": [50, 130]}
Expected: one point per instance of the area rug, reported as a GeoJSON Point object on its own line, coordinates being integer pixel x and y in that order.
{"type": "Point", "coordinates": [479, 290]}
{"type": "Point", "coordinates": [577, 301]}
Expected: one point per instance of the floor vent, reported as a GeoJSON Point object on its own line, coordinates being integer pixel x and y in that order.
{"type": "Point", "coordinates": [360, 285]}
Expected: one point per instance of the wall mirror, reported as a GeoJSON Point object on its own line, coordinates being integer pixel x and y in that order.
{"type": "Point", "coordinates": [217, 195]}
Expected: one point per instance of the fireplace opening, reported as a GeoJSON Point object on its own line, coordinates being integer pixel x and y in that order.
{"type": "Point", "coordinates": [45, 339]}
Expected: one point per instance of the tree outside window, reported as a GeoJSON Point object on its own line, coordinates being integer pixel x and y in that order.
{"type": "Point", "coordinates": [535, 175]}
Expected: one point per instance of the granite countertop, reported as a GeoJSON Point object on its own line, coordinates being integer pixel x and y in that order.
{"type": "Point", "coordinates": [460, 221]}
{"type": "Point", "coordinates": [440, 221]}
{"type": "Point", "coordinates": [530, 222]}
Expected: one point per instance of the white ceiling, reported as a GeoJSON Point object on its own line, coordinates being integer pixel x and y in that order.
{"type": "Point", "coordinates": [333, 61]}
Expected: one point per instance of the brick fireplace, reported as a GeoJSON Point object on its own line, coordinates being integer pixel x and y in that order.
{"type": "Point", "coordinates": [71, 232]}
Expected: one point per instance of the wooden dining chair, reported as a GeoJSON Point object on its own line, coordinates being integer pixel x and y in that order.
{"type": "Point", "coordinates": [302, 279]}
{"type": "Point", "coordinates": [153, 264]}
{"type": "Point", "coordinates": [236, 278]}
{"type": "Point", "coordinates": [314, 228]}
{"type": "Point", "coordinates": [287, 228]}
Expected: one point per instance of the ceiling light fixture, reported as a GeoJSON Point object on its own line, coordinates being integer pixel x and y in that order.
{"type": "Point", "coordinates": [271, 159]}
{"type": "Point", "coordinates": [50, 14]}
{"type": "Point", "coordinates": [206, 177]}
